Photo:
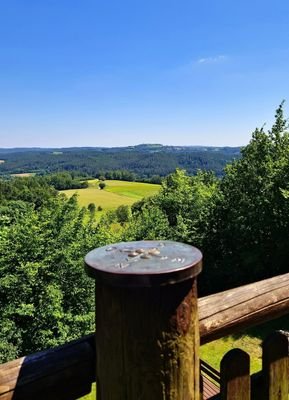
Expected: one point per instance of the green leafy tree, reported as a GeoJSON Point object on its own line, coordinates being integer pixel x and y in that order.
{"type": "Point", "coordinates": [123, 214]}
{"type": "Point", "coordinates": [185, 201]}
{"type": "Point", "coordinates": [91, 208]}
{"type": "Point", "coordinates": [178, 212]}
{"type": "Point", "coordinates": [247, 236]}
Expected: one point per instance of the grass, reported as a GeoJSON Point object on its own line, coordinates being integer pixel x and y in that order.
{"type": "Point", "coordinates": [135, 190]}
{"type": "Point", "coordinates": [91, 395]}
{"type": "Point", "coordinates": [249, 341]}
{"type": "Point", "coordinates": [115, 193]}
{"type": "Point", "coordinates": [213, 352]}
{"type": "Point", "coordinates": [24, 174]}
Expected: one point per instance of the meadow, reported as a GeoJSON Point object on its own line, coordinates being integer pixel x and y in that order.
{"type": "Point", "coordinates": [114, 194]}
{"type": "Point", "coordinates": [23, 174]}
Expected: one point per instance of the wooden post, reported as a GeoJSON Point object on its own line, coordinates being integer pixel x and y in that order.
{"type": "Point", "coordinates": [147, 335]}
{"type": "Point", "coordinates": [235, 375]}
{"type": "Point", "coordinates": [276, 366]}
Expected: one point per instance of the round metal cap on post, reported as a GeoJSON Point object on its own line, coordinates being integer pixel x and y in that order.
{"type": "Point", "coordinates": [144, 264]}
{"type": "Point", "coordinates": [147, 336]}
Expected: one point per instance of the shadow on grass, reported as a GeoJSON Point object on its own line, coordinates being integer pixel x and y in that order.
{"type": "Point", "coordinates": [263, 330]}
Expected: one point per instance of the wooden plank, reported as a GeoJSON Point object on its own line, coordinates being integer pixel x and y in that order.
{"type": "Point", "coordinates": [228, 312]}
{"type": "Point", "coordinates": [210, 381]}
{"type": "Point", "coordinates": [276, 366]}
{"type": "Point", "coordinates": [235, 375]}
{"type": "Point", "coordinates": [209, 389]}
{"type": "Point", "coordinates": [212, 373]}
{"type": "Point", "coordinates": [62, 373]}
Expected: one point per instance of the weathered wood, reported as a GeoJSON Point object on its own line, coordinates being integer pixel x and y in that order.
{"type": "Point", "coordinates": [63, 373]}
{"type": "Point", "coordinates": [146, 320]}
{"type": "Point", "coordinates": [210, 381]}
{"type": "Point", "coordinates": [209, 390]}
{"type": "Point", "coordinates": [275, 367]}
{"type": "Point", "coordinates": [153, 337]}
{"type": "Point", "coordinates": [235, 375]}
{"type": "Point", "coordinates": [228, 312]}
{"type": "Point", "coordinates": [211, 372]}
{"type": "Point", "coordinates": [219, 315]}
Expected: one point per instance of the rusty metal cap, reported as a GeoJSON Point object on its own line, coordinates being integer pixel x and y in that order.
{"type": "Point", "coordinates": [144, 263]}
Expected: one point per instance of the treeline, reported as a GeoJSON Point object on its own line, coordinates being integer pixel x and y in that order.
{"type": "Point", "coordinates": [141, 163]}
{"type": "Point", "coordinates": [65, 180]}
{"type": "Point", "coordinates": [59, 181]}
{"type": "Point", "coordinates": [240, 222]}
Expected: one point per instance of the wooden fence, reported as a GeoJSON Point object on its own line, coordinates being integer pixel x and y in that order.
{"type": "Point", "coordinates": [69, 370]}
{"type": "Point", "coordinates": [271, 383]}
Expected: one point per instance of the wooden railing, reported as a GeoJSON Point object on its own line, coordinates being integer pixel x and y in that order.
{"type": "Point", "coordinates": [68, 371]}
{"type": "Point", "coordinates": [271, 383]}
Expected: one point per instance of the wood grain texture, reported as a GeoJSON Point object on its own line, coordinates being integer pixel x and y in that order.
{"type": "Point", "coordinates": [152, 335]}
{"type": "Point", "coordinates": [275, 367]}
{"type": "Point", "coordinates": [236, 309]}
{"type": "Point", "coordinates": [235, 375]}
{"type": "Point", "coordinates": [63, 373]}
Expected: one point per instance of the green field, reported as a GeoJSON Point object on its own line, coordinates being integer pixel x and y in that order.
{"type": "Point", "coordinates": [115, 193]}
{"type": "Point", "coordinates": [24, 175]}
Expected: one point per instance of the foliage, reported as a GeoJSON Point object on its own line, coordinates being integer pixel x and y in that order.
{"type": "Point", "coordinates": [65, 180]}
{"type": "Point", "coordinates": [247, 236]}
{"type": "Point", "coordinates": [143, 163]}
{"type": "Point", "coordinates": [91, 208]}
{"type": "Point", "coordinates": [46, 298]}
{"type": "Point", "coordinates": [177, 212]}
{"type": "Point", "coordinates": [32, 190]}
{"type": "Point", "coordinates": [123, 214]}
{"type": "Point", "coordinates": [102, 185]}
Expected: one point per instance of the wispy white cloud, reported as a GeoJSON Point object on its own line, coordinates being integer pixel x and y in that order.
{"type": "Point", "coordinates": [196, 64]}
{"type": "Point", "coordinates": [212, 60]}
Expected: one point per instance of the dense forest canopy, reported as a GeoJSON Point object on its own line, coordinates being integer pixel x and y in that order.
{"type": "Point", "coordinates": [240, 222]}
{"type": "Point", "coordinates": [141, 162]}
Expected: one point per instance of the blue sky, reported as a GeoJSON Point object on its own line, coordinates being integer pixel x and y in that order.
{"type": "Point", "coordinates": [111, 73]}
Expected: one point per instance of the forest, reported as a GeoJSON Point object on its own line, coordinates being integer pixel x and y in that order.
{"type": "Point", "coordinates": [239, 220]}
{"type": "Point", "coordinates": [142, 162]}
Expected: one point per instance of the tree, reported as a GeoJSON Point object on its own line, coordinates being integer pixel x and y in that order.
{"type": "Point", "coordinates": [178, 212]}
{"type": "Point", "coordinates": [247, 236]}
{"type": "Point", "coordinates": [123, 214]}
{"type": "Point", "coordinates": [102, 185]}
{"type": "Point", "coordinates": [185, 201]}
{"type": "Point", "coordinates": [91, 208]}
